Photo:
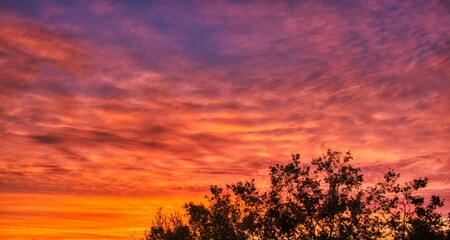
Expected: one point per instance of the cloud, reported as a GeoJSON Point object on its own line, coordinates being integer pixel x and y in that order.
{"type": "Point", "coordinates": [100, 98]}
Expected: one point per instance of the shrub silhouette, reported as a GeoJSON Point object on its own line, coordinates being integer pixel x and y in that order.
{"type": "Point", "coordinates": [323, 200]}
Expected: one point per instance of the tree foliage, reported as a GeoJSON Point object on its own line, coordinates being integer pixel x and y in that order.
{"type": "Point", "coordinates": [325, 199]}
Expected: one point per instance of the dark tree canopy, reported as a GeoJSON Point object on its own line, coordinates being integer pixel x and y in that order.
{"type": "Point", "coordinates": [325, 199]}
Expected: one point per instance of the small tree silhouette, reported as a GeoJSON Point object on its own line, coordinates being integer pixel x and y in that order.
{"type": "Point", "coordinates": [168, 227]}
{"type": "Point", "coordinates": [323, 200]}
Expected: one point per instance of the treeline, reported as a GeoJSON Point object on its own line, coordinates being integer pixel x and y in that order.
{"type": "Point", "coordinates": [325, 199]}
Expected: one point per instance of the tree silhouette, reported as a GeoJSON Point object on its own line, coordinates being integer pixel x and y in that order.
{"type": "Point", "coordinates": [168, 227]}
{"type": "Point", "coordinates": [322, 200]}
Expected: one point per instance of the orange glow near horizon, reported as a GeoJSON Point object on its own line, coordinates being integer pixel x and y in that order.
{"type": "Point", "coordinates": [44, 216]}
{"type": "Point", "coordinates": [109, 110]}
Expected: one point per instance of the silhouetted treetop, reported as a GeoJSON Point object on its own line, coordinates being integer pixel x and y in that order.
{"type": "Point", "coordinates": [325, 199]}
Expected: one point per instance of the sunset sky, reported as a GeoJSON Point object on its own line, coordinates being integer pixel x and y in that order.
{"type": "Point", "coordinates": [111, 109]}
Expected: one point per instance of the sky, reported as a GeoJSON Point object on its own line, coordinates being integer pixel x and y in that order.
{"type": "Point", "coordinates": [111, 109]}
